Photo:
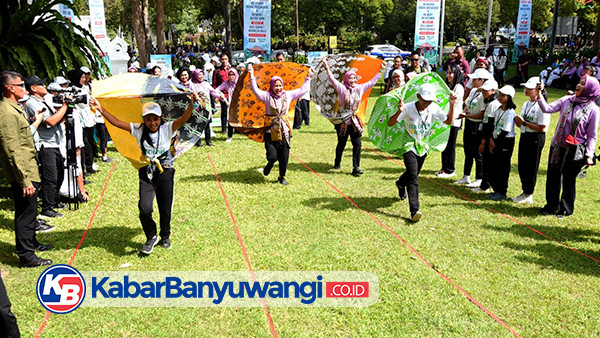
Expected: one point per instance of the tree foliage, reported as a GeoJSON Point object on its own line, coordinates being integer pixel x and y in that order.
{"type": "Point", "coordinates": [36, 39]}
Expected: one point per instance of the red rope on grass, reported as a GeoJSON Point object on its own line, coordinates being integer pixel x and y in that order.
{"type": "Point", "coordinates": [239, 236]}
{"type": "Point", "coordinates": [41, 329]}
{"type": "Point", "coordinates": [493, 210]}
{"type": "Point", "coordinates": [488, 312]}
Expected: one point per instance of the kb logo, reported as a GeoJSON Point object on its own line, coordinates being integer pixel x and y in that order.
{"type": "Point", "coordinates": [61, 288]}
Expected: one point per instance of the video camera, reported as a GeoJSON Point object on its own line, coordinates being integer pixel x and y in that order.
{"type": "Point", "coordinates": [70, 95]}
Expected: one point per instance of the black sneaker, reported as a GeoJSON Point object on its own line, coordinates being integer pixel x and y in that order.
{"type": "Point", "coordinates": [267, 169]}
{"type": "Point", "coordinates": [149, 246]}
{"type": "Point", "coordinates": [282, 181]}
{"type": "Point", "coordinates": [401, 190]}
{"type": "Point", "coordinates": [166, 243]}
{"type": "Point", "coordinates": [357, 172]}
{"type": "Point", "coordinates": [416, 216]}
{"type": "Point", "coordinates": [336, 167]}
{"type": "Point", "coordinates": [107, 159]}
{"type": "Point", "coordinates": [43, 227]}
{"type": "Point", "coordinates": [50, 213]}
{"type": "Point", "coordinates": [61, 205]}
{"type": "Point", "coordinates": [37, 261]}
{"type": "Point", "coordinates": [44, 247]}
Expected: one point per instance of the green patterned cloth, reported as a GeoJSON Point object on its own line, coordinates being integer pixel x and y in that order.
{"type": "Point", "coordinates": [396, 139]}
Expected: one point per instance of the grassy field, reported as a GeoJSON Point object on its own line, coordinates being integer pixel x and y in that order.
{"type": "Point", "coordinates": [535, 284]}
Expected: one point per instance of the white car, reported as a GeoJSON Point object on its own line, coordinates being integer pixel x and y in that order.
{"type": "Point", "coordinates": [386, 52]}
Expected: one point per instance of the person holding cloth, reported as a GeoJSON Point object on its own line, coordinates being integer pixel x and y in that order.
{"type": "Point", "coordinates": [154, 138]}
{"type": "Point", "coordinates": [350, 94]}
{"type": "Point", "coordinates": [420, 116]}
{"type": "Point", "coordinates": [533, 123]}
{"type": "Point", "coordinates": [455, 81]}
{"type": "Point", "coordinates": [277, 105]}
{"type": "Point", "coordinates": [502, 142]}
{"type": "Point", "coordinates": [577, 124]}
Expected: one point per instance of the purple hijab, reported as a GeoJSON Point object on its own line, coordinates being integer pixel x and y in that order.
{"type": "Point", "coordinates": [236, 76]}
{"type": "Point", "coordinates": [347, 79]}
{"type": "Point", "coordinates": [272, 84]}
{"type": "Point", "coordinates": [591, 91]}
{"type": "Point", "coordinates": [195, 77]}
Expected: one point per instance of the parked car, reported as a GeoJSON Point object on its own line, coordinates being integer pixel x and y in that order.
{"type": "Point", "coordinates": [386, 52]}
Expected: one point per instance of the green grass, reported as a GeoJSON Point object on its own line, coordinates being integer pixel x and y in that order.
{"type": "Point", "coordinates": [533, 283]}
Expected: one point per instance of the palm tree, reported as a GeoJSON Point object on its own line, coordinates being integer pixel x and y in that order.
{"type": "Point", "coordinates": [37, 39]}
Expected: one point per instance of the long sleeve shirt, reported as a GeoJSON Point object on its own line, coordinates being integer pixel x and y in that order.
{"type": "Point", "coordinates": [17, 149]}
{"type": "Point", "coordinates": [341, 89]}
{"type": "Point", "coordinates": [587, 129]}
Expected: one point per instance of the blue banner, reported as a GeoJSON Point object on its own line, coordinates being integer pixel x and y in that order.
{"type": "Point", "coordinates": [257, 28]}
{"type": "Point", "coordinates": [523, 27]}
{"type": "Point", "coordinates": [427, 29]}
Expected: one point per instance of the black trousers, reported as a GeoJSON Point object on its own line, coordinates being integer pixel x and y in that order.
{"type": "Point", "coordinates": [341, 145]}
{"type": "Point", "coordinates": [500, 171]}
{"type": "Point", "coordinates": [530, 153]}
{"type": "Point", "coordinates": [487, 162]}
{"type": "Point", "coordinates": [224, 116]}
{"type": "Point", "coordinates": [25, 221]}
{"type": "Point", "coordinates": [162, 186]}
{"type": "Point", "coordinates": [277, 151]}
{"type": "Point", "coordinates": [207, 132]}
{"type": "Point", "coordinates": [302, 113]}
{"type": "Point", "coordinates": [499, 77]}
{"type": "Point", "coordinates": [8, 321]}
{"type": "Point", "coordinates": [410, 178]}
{"type": "Point", "coordinates": [102, 136]}
{"type": "Point", "coordinates": [471, 141]}
{"type": "Point", "coordinates": [449, 154]}
{"type": "Point", "coordinates": [564, 177]}
{"type": "Point", "coordinates": [52, 174]}
{"type": "Point", "coordinates": [89, 147]}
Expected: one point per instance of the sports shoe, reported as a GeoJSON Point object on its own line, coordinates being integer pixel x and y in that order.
{"type": "Point", "coordinates": [446, 175]}
{"type": "Point", "coordinates": [282, 181]}
{"type": "Point", "coordinates": [518, 198]}
{"type": "Point", "coordinates": [50, 213]}
{"type": "Point", "coordinates": [336, 167]}
{"type": "Point", "coordinates": [439, 172]}
{"type": "Point", "coordinates": [166, 243]}
{"type": "Point", "coordinates": [498, 197]}
{"type": "Point", "coordinates": [149, 246]}
{"type": "Point", "coordinates": [37, 261]}
{"type": "Point", "coordinates": [527, 199]}
{"type": "Point", "coordinates": [267, 169]}
{"type": "Point", "coordinates": [107, 159]}
{"type": "Point", "coordinates": [401, 190]}
{"type": "Point", "coordinates": [43, 227]}
{"type": "Point", "coordinates": [228, 140]}
{"type": "Point", "coordinates": [44, 247]}
{"type": "Point", "coordinates": [95, 166]}
{"type": "Point", "coordinates": [357, 172]}
{"type": "Point", "coordinates": [416, 216]}
{"type": "Point", "coordinates": [478, 189]}
{"type": "Point", "coordinates": [490, 195]}
{"type": "Point", "coordinates": [474, 184]}
{"type": "Point", "coordinates": [465, 180]}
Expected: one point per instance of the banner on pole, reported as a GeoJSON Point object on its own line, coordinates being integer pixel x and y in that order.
{"type": "Point", "coordinates": [257, 28]}
{"type": "Point", "coordinates": [98, 25]}
{"type": "Point", "coordinates": [161, 60]}
{"type": "Point", "coordinates": [66, 11]}
{"type": "Point", "coordinates": [523, 27]}
{"type": "Point", "coordinates": [427, 28]}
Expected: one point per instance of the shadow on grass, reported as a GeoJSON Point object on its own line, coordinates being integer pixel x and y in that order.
{"type": "Point", "coordinates": [248, 176]}
{"type": "Point", "coordinates": [550, 253]}
{"type": "Point", "coordinates": [373, 205]}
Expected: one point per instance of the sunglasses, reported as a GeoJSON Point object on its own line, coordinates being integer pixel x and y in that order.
{"type": "Point", "coordinates": [22, 84]}
{"type": "Point", "coordinates": [414, 59]}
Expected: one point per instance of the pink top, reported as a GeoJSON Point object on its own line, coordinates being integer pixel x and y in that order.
{"type": "Point", "coordinates": [228, 88]}
{"type": "Point", "coordinates": [292, 95]}
{"type": "Point", "coordinates": [208, 90]}
{"type": "Point", "coordinates": [341, 89]}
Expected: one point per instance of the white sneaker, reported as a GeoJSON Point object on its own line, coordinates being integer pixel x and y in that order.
{"type": "Point", "coordinates": [474, 184]}
{"type": "Point", "coordinates": [465, 180]}
{"type": "Point", "coordinates": [228, 140]}
{"type": "Point", "coordinates": [478, 189]}
{"type": "Point", "coordinates": [526, 199]}
{"type": "Point", "coordinates": [439, 172]}
{"type": "Point", "coordinates": [519, 198]}
{"type": "Point", "coordinates": [95, 166]}
{"type": "Point", "coordinates": [445, 175]}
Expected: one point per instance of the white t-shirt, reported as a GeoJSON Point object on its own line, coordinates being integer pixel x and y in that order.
{"type": "Point", "coordinates": [459, 91]}
{"type": "Point", "coordinates": [87, 118]}
{"type": "Point", "coordinates": [532, 113]}
{"type": "Point", "coordinates": [490, 111]}
{"type": "Point", "coordinates": [504, 120]}
{"type": "Point", "coordinates": [161, 139]}
{"type": "Point", "coordinates": [418, 124]}
{"type": "Point", "coordinates": [474, 103]}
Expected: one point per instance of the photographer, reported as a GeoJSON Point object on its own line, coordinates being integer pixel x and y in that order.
{"type": "Point", "coordinates": [86, 117]}
{"type": "Point", "coordinates": [51, 134]}
{"type": "Point", "coordinates": [20, 168]}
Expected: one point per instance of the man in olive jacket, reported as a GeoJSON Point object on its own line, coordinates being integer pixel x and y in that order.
{"type": "Point", "coordinates": [17, 153]}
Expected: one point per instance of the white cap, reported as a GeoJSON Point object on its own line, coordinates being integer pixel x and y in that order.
{"type": "Point", "coordinates": [427, 92]}
{"type": "Point", "coordinates": [260, 56]}
{"type": "Point", "coordinates": [85, 69]}
{"type": "Point", "coordinates": [53, 87]}
{"type": "Point", "coordinates": [208, 66]}
{"type": "Point", "coordinates": [532, 83]}
{"type": "Point", "coordinates": [480, 73]}
{"type": "Point", "coordinates": [61, 80]}
{"type": "Point", "coordinates": [192, 68]}
{"type": "Point", "coordinates": [151, 108]}
{"type": "Point", "coordinates": [489, 85]}
{"type": "Point", "coordinates": [215, 59]}
{"type": "Point", "coordinates": [508, 90]}
{"type": "Point", "coordinates": [549, 68]}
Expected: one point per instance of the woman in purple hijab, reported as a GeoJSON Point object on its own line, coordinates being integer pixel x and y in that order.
{"type": "Point", "coordinates": [577, 124]}
{"type": "Point", "coordinates": [228, 87]}
{"type": "Point", "coordinates": [277, 105]}
{"type": "Point", "coordinates": [350, 93]}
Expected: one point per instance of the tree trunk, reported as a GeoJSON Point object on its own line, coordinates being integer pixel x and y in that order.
{"type": "Point", "coordinates": [160, 27]}
{"type": "Point", "coordinates": [227, 17]}
{"type": "Point", "coordinates": [240, 13]}
{"type": "Point", "coordinates": [138, 29]}
{"type": "Point", "coordinates": [597, 32]}
{"type": "Point", "coordinates": [147, 34]}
